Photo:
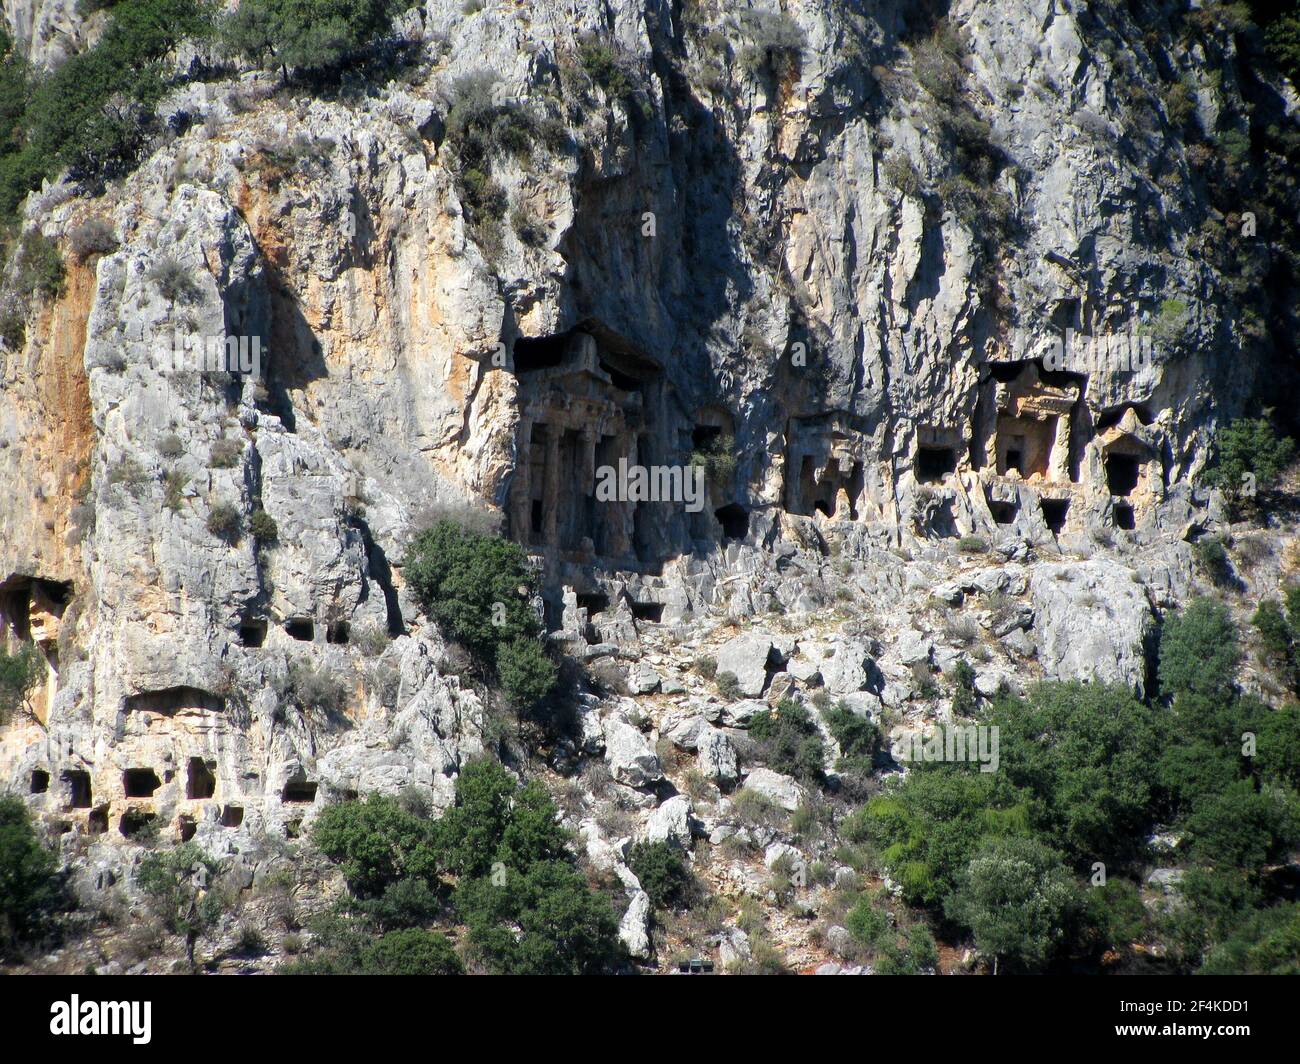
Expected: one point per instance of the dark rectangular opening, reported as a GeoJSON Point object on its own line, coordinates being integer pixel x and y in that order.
{"type": "Point", "coordinates": [535, 517]}
{"type": "Point", "coordinates": [1122, 473]}
{"type": "Point", "coordinates": [185, 827]}
{"type": "Point", "coordinates": [252, 632]}
{"type": "Point", "coordinates": [934, 463]}
{"type": "Point", "coordinates": [1124, 516]}
{"type": "Point", "coordinates": [97, 821]}
{"type": "Point", "coordinates": [703, 435]}
{"type": "Point", "coordinates": [539, 352]}
{"type": "Point", "coordinates": [135, 821]}
{"type": "Point", "coordinates": [140, 782]}
{"type": "Point", "coordinates": [338, 632]}
{"type": "Point", "coordinates": [1004, 513]}
{"type": "Point", "coordinates": [232, 816]}
{"type": "Point", "coordinates": [200, 781]}
{"type": "Point", "coordinates": [299, 791]}
{"type": "Point", "coordinates": [734, 520]}
{"type": "Point", "coordinates": [593, 603]}
{"type": "Point", "coordinates": [40, 781]}
{"type": "Point", "coordinates": [1054, 511]}
{"type": "Point", "coordinates": [78, 784]}
{"type": "Point", "coordinates": [1015, 460]}
{"type": "Point", "coordinates": [301, 628]}
{"type": "Point", "coordinates": [647, 611]}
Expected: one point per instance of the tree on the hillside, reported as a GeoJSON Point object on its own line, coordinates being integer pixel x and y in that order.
{"type": "Point", "coordinates": [178, 887]}
{"type": "Point", "coordinates": [307, 35]}
{"type": "Point", "coordinates": [1017, 898]}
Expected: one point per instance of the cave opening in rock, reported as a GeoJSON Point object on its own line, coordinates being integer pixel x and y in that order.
{"type": "Point", "coordinates": [593, 602]}
{"type": "Point", "coordinates": [1124, 517]}
{"type": "Point", "coordinates": [77, 783]}
{"type": "Point", "coordinates": [934, 463]}
{"type": "Point", "coordinates": [186, 827]}
{"type": "Point", "coordinates": [338, 632]}
{"type": "Point", "coordinates": [1122, 473]}
{"type": "Point", "coordinates": [140, 782]}
{"type": "Point", "coordinates": [299, 790]}
{"type": "Point", "coordinates": [200, 782]}
{"type": "Point", "coordinates": [1054, 511]}
{"type": "Point", "coordinates": [1004, 511]}
{"type": "Point", "coordinates": [97, 821]}
{"type": "Point", "coordinates": [301, 628]}
{"type": "Point", "coordinates": [541, 352]}
{"type": "Point", "coordinates": [734, 520]}
{"type": "Point", "coordinates": [252, 632]}
{"type": "Point", "coordinates": [646, 611]}
{"type": "Point", "coordinates": [232, 816]}
{"type": "Point", "coordinates": [134, 821]}
{"type": "Point", "coordinates": [40, 781]}
{"type": "Point", "coordinates": [171, 699]}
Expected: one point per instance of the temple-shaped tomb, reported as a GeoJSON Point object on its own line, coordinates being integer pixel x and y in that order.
{"type": "Point", "coordinates": [824, 464]}
{"type": "Point", "coordinates": [1032, 434]}
{"type": "Point", "coordinates": [583, 405]}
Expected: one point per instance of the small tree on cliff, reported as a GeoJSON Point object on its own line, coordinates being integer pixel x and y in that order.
{"type": "Point", "coordinates": [178, 887]}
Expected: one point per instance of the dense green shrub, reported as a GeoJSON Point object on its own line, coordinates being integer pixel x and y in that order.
{"type": "Point", "coordinates": [1199, 651]}
{"type": "Point", "coordinates": [310, 36]}
{"type": "Point", "coordinates": [263, 527]}
{"type": "Point", "coordinates": [1017, 897]}
{"type": "Point", "coordinates": [1244, 449]}
{"type": "Point", "coordinates": [225, 521]}
{"type": "Point", "coordinates": [316, 689]}
{"type": "Point", "coordinates": [662, 872]}
{"type": "Point", "coordinates": [376, 842]}
{"type": "Point", "coordinates": [526, 672]}
{"type": "Point", "coordinates": [858, 737]}
{"type": "Point", "coordinates": [789, 740]}
{"type": "Point", "coordinates": [28, 890]}
{"type": "Point", "coordinates": [174, 281]}
{"type": "Point", "coordinates": [411, 951]}
{"type": "Point", "coordinates": [545, 921]}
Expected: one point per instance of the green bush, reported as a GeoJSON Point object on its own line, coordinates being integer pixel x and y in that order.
{"type": "Point", "coordinates": [39, 267]}
{"type": "Point", "coordinates": [858, 737]}
{"type": "Point", "coordinates": [1274, 631]}
{"type": "Point", "coordinates": [1245, 448]}
{"type": "Point", "coordinates": [376, 842]}
{"type": "Point", "coordinates": [225, 522]}
{"type": "Point", "coordinates": [311, 36]}
{"type": "Point", "coordinates": [28, 890]}
{"type": "Point", "coordinates": [1212, 556]}
{"type": "Point", "coordinates": [662, 872]}
{"type": "Point", "coordinates": [526, 672]}
{"type": "Point", "coordinates": [316, 689]}
{"type": "Point", "coordinates": [411, 951]}
{"type": "Point", "coordinates": [789, 741]}
{"type": "Point", "coordinates": [1198, 651]}
{"type": "Point", "coordinates": [478, 588]}
{"type": "Point", "coordinates": [728, 685]}
{"type": "Point", "coordinates": [1017, 897]}
{"type": "Point", "coordinates": [263, 527]}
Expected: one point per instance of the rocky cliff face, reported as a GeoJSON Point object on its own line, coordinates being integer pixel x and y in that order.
{"type": "Point", "coordinates": [713, 234]}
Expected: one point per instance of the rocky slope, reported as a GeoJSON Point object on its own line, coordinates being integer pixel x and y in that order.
{"type": "Point", "coordinates": [734, 239]}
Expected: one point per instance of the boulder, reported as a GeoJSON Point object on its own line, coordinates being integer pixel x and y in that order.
{"type": "Point", "coordinates": [777, 788]}
{"type": "Point", "coordinates": [632, 760]}
{"type": "Point", "coordinates": [1092, 621]}
{"type": "Point", "coordinates": [634, 928]}
{"type": "Point", "coordinates": [747, 657]}
{"type": "Point", "coordinates": [717, 757]}
{"type": "Point", "coordinates": [671, 822]}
